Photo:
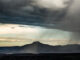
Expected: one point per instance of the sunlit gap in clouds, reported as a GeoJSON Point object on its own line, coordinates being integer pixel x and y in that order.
{"type": "Point", "coordinates": [26, 34]}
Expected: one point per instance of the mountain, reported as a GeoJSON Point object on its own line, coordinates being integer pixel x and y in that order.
{"type": "Point", "coordinates": [38, 47]}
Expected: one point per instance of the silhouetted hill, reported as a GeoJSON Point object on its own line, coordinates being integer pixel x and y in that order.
{"type": "Point", "coordinates": [38, 47]}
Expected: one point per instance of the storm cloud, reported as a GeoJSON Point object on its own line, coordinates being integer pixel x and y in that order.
{"type": "Point", "coordinates": [50, 14]}
{"type": "Point", "coordinates": [45, 13]}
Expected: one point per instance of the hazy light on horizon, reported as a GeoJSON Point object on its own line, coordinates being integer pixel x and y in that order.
{"type": "Point", "coordinates": [27, 33]}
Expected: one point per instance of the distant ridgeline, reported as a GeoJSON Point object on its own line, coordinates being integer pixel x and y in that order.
{"type": "Point", "coordinates": [37, 48]}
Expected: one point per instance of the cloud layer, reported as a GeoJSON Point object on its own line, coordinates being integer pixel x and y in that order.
{"type": "Point", "coordinates": [35, 12]}
{"type": "Point", "coordinates": [47, 15]}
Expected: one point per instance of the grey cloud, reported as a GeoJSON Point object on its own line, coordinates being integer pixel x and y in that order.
{"type": "Point", "coordinates": [25, 12]}
{"type": "Point", "coordinates": [71, 21]}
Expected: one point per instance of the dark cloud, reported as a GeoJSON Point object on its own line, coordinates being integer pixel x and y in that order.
{"type": "Point", "coordinates": [71, 22]}
{"type": "Point", "coordinates": [28, 12]}
{"type": "Point", "coordinates": [25, 12]}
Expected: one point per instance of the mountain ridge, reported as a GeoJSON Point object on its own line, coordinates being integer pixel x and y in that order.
{"type": "Point", "coordinates": [38, 47]}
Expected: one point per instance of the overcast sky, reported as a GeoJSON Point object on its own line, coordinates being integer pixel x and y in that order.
{"type": "Point", "coordinates": [53, 22]}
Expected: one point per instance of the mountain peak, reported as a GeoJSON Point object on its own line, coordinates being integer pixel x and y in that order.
{"type": "Point", "coordinates": [36, 42]}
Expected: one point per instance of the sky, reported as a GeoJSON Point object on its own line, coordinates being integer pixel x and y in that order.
{"type": "Point", "coordinates": [52, 22]}
{"type": "Point", "coordinates": [10, 34]}
{"type": "Point", "coordinates": [13, 33]}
